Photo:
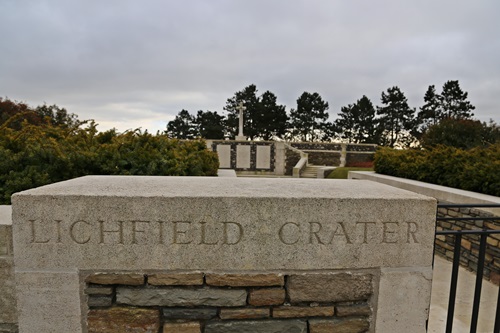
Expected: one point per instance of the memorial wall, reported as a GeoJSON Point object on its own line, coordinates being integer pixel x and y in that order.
{"type": "Point", "coordinates": [195, 254]}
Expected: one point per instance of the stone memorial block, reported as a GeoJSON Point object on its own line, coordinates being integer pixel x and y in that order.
{"type": "Point", "coordinates": [263, 157]}
{"type": "Point", "coordinates": [222, 255]}
{"type": "Point", "coordinates": [224, 152]}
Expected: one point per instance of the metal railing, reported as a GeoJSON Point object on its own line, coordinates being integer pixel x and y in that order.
{"type": "Point", "coordinates": [480, 265]}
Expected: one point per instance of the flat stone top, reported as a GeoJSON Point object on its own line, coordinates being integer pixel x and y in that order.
{"type": "Point", "coordinates": [5, 215]}
{"type": "Point", "coordinates": [161, 186]}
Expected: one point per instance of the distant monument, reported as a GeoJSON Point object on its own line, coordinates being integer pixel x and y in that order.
{"type": "Point", "coordinates": [240, 136]}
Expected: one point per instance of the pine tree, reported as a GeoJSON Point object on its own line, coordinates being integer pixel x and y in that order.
{"type": "Point", "coordinates": [397, 119]}
{"type": "Point", "coordinates": [210, 125]}
{"type": "Point", "coordinates": [431, 112]}
{"type": "Point", "coordinates": [263, 117]}
{"type": "Point", "coordinates": [454, 101]}
{"type": "Point", "coordinates": [357, 123]}
{"type": "Point", "coordinates": [183, 126]}
{"type": "Point", "coordinates": [308, 121]}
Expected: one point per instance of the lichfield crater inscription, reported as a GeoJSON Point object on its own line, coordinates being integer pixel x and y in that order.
{"type": "Point", "coordinates": [104, 223]}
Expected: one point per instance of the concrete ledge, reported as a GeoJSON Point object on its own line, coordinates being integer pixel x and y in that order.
{"type": "Point", "coordinates": [441, 193]}
{"type": "Point", "coordinates": [226, 173]}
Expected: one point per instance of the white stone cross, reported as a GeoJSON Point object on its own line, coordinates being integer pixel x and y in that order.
{"type": "Point", "coordinates": [241, 108]}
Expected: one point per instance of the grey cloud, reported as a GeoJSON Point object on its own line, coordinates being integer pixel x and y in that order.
{"type": "Point", "coordinates": [129, 60]}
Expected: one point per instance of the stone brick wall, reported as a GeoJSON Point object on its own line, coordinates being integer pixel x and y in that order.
{"type": "Point", "coordinates": [197, 302]}
{"type": "Point", "coordinates": [359, 159]}
{"type": "Point", "coordinates": [470, 243]}
{"type": "Point", "coordinates": [316, 145]}
{"type": "Point", "coordinates": [328, 158]}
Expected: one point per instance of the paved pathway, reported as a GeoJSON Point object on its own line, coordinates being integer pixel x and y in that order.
{"type": "Point", "coordinates": [465, 296]}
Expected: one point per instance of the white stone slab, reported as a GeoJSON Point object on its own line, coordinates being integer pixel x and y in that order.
{"type": "Point", "coordinates": [224, 152]}
{"type": "Point", "coordinates": [5, 214]}
{"type": "Point", "coordinates": [49, 301]}
{"type": "Point", "coordinates": [263, 157]}
{"type": "Point", "coordinates": [243, 156]}
{"type": "Point", "coordinates": [404, 299]}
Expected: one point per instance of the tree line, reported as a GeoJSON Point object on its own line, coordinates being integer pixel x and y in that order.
{"type": "Point", "coordinates": [393, 123]}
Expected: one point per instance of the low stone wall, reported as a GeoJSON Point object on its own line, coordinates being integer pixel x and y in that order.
{"type": "Point", "coordinates": [444, 244]}
{"type": "Point", "coordinates": [279, 158]}
{"type": "Point", "coordinates": [8, 313]}
{"type": "Point", "coordinates": [359, 159]}
{"type": "Point", "coordinates": [216, 303]}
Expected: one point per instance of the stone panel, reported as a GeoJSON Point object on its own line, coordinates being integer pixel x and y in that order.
{"type": "Point", "coordinates": [400, 290]}
{"type": "Point", "coordinates": [263, 157]}
{"type": "Point", "coordinates": [181, 297]}
{"type": "Point", "coordinates": [224, 152]}
{"type": "Point", "coordinates": [243, 158]}
{"type": "Point", "coordinates": [120, 320]}
{"type": "Point", "coordinates": [48, 302]}
{"type": "Point", "coordinates": [329, 287]}
{"type": "Point", "coordinates": [274, 326]}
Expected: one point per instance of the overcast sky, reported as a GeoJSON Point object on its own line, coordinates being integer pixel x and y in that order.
{"type": "Point", "coordinates": [130, 64]}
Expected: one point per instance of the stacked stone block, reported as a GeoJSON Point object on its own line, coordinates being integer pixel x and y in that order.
{"type": "Point", "coordinates": [470, 243]}
{"type": "Point", "coordinates": [198, 302]}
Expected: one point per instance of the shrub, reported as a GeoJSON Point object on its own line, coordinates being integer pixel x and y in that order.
{"type": "Point", "coordinates": [477, 169]}
{"type": "Point", "coordinates": [36, 155]}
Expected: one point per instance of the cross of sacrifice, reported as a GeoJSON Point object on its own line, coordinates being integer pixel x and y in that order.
{"type": "Point", "coordinates": [241, 108]}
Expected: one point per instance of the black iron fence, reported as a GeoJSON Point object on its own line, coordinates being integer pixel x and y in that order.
{"type": "Point", "coordinates": [458, 235]}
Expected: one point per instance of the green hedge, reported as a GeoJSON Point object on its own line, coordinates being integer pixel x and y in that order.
{"type": "Point", "coordinates": [38, 155]}
{"type": "Point", "coordinates": [477, 169]}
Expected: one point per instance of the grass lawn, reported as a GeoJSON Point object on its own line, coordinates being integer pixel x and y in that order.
{"type": "Point", "coordinates": [341, 173]}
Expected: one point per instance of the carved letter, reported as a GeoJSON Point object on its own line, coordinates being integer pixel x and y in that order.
{"type": "Point", "coordinates": [135, 230]}
{"type": "Point", "coordinates": [160, 234]}
{"type": "Point", "coordinates": [58, 223]}
{"type": "Point", "coordinates": [181, 232]}
{"type": "Point", "coordinates": [365, 234]}
{"type": "Point", "coordinates": [315, 233]}
{"type": "Point", "coordinates": [387, 232]}
{"type": "Point", "coordinates": [341, 233]}
{"type": "Point", "coordinates": [119, 231]}
{"type": "Point", "coordinates": [226, 233]}
{"type": "Point", "coordinates": [280, 234]}
{"type": "Point", "coordinates": [203, 235]}
{"type": "Point", "coordinates": [411, 232]}
{"type": "Point", "coordinates": [72, 234]}
{"type": "Point", "coordinates": [33, 235]}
